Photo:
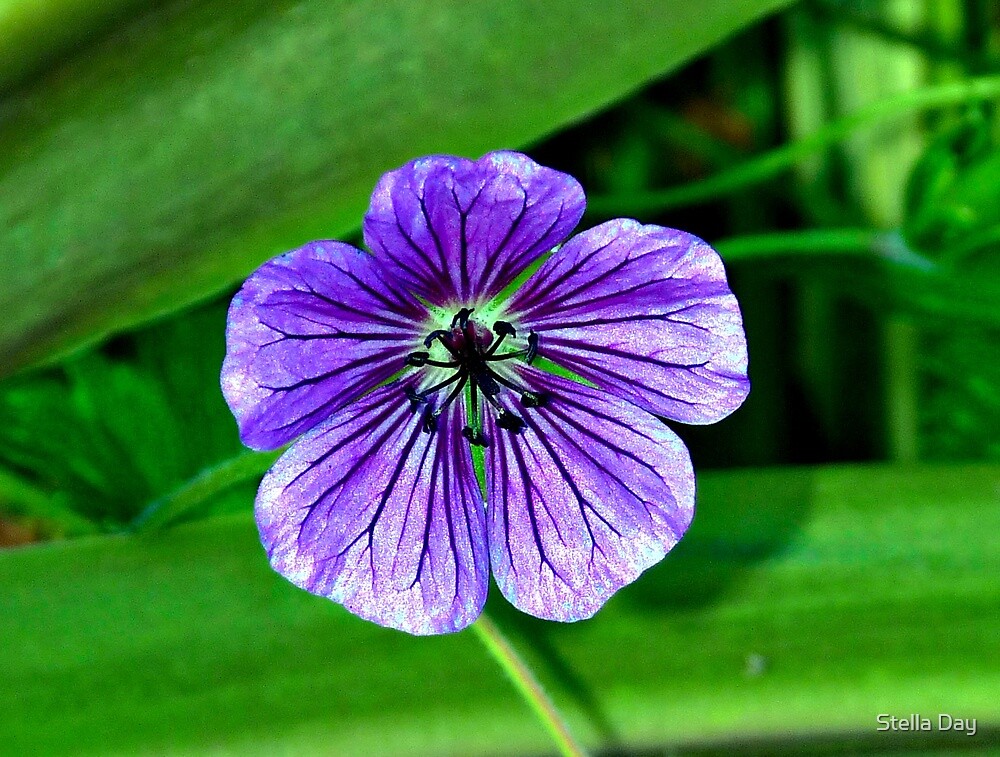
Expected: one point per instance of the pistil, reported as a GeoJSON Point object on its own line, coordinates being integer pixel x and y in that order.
{"type": "Point", "coordinates": [473, 349]}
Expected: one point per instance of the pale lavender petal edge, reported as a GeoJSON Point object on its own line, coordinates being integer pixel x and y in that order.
{"type": "Point", "coordinates": [590, 494]}
{"type": "Point", "coordinates": [457, 231]}
{"type": "Point", "coordinates": [372, 512]}
{"type": "Point", "coordinates": [644, 312]}
{"type": "Point", "coordinates": [309, 332]}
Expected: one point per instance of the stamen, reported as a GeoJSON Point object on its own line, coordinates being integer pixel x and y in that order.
{"type": "Point", "coordinates": [475, 436]}
{"type": "Point", "coordinates": [489, 356]}
{"type": "Point", "coordinates": [430, 421]}
{"type": "Point", "coordinates": [444, 336]}
{"type": "Point", "coordinates": [415, 399]}
{"type": "Point", "coordinates": [487, 382]}
{"type": "Point", "coordinates": [510, 422]}
{"type": "Point", "coordinates": [430, 390]}
{"type": "Point", "coordinates": [454, 392]}
{"type": "Point", "coordinates": [461, 318]}
{"type": "Point", "coordinates": [420, 359]}
{"type": "Point", "coordinates": [473, 349]}
{"type": "Point", "coordinates": [534, 399]}
{"type": "Point", "coordinates": [528, 398]}
{"type": "Point", "coordinates": [493, 400]}
{"type": "Point", "coordinates": [532, 347]}
{"type": "Point", "coordinates": [503, 328]}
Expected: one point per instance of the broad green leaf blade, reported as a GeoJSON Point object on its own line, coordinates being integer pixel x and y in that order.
{"type": "Point", "coordinates": [802, 603]}
{"type": "Point", "coordinates": [34, 32]}
{"type": "Point", "coordinates": [172, 158]}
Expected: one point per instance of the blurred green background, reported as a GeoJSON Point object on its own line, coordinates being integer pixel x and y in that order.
{"type": "Point", "coordinates": [844, 157]}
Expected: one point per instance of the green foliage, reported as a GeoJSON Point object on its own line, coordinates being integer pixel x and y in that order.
{"type": "Point", "coordinates": [114, 429]}
{"type": "Point", "coordinates": [801, 602]}
{"type": "Point", "coordinates": [182, 152]}
{"type": "Point", "coordinates": [150, 163]}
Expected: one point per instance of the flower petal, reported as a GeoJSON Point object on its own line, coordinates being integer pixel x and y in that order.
{"type": "Point", "coordinates": [644, 312]}
{"type": "Point", "coordinates": [372, 512]}
{"type": "Point", "coordinates": [309, 332]}
{"type": "Point", "coordinates": [458, 231]}
{"type": "Point", "coordinates": [591, 493]}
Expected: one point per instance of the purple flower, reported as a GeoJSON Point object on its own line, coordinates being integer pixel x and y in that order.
{"type": "Point", "coordinates": [409, 368]}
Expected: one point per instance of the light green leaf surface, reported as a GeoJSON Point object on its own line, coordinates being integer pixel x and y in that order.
{"type": "Point", "coordinates": [176, 155]}
{"type": "Point", "coordinates": [802, 603]}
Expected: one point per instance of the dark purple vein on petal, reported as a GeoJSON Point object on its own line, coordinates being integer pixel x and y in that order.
{"type": "Point", "coordinates": [447, 480]}
{"type": "Point", "coordinates": [563, 303]}
{"type": "Point", "coordinates": [504, 499]}
{"type": "Point", "coordinates": [589, 304]}
{"type": "Point", "coordinates": [625, 354]}
{"type": "Point", "coordinates": [418, 250]}
{"type": "Point", "coordinates": [511, 231]}
{"type": "Point", "coordinates": [381, 414]}
{"type": "Point", "coordinates": [597, 464]}
{"type": "Point", "coordinates": [603, 441]}
{"type": "Point", "coordinates": [582, 503]}
{"type": "Point", "coordinates": [544, 287]}
{"type": "Point", "coordinates": [515, 265]}
{"type": "Point", "coordinates": [588, 370]}
{"type": "Point", "coordinates": [326, 407]}
{"type": "Point", "coordinates": [532, 515]}
{"type": "Point", "coordinates": [542, 325]}
{"type": "Point", "coordinates": [346, 475]}
{"type": "Point", "coordinates": [386, 493]}
{"type": "Point", "coordinates": [428, 512]}
{"type": "Point", "coordinates": [462, 482]}
{"type": "Point", "coordinates": [366, 314]}
{"type": "Point", "coordinates": [422, 202]}
{"type": "Point", "coordinates": [465, 290]}
{"type": "Point", "coordinates": [344, 368]}
{"type": "Point", "coordinates": [390, 305]}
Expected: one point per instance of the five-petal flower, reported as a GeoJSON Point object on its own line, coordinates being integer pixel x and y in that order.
{"type": "Point", "coordinates": [405, 370]}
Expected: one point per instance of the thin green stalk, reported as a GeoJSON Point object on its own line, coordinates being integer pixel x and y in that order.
{"type": "Point", "coordinates": [772, 163]}
{"type": "Point", "coordinates": [199, 490]}
{"type": "Point", "coordinates": [852, 242]}
{"type": "Point", "coordinates": [527, 685]}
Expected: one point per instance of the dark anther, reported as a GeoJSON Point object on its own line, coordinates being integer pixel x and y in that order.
{"type": "Point", "coordinates": [417, 358]}
{"type": "Point", "coordinates": [510, 422]}
{"type": "Point", "coordinates": [475, 436]}
{"type": "Point", "coordinates": [415, 398]}
{"type": "Point", "coordinates": [534, 399]}
{"type": "Point", "coordinates": [430, 422]}
{"type": "Point", "coordinates": [437, 334]}
{"type": "Point", "coordinates": [461, 318]}
{"type": "Point", "coordinates": [502, 328]}
{"type": "Point", "coordinates": [488, 384]}
{"type": "Point", "coordinates": [532, 347]}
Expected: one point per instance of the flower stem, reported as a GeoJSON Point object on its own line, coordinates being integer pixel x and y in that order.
{"type": "Point", "coordinates": [527, 685]}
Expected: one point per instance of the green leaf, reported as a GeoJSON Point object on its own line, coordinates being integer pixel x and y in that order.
{"type": "Point", "coordinates": [36, 32]}
{"type": "Point", "coordinates": [180, 153]}
{"type": "Point", "coordinates": [114, 429]}
{"type": "Point", "coordinates": [195, 495]}
{"type": "Point", "coordinates": [802, 603]}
